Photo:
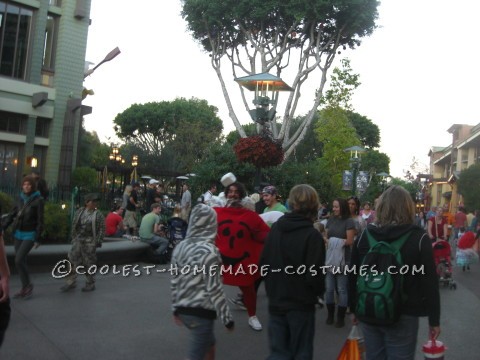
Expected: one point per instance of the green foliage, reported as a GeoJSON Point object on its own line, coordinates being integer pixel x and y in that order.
{"type": "Point", "coordinates": [336, 134]}
{"type": "Point", "coordinates": [342, 85]}
{"type": "Point", "coordinates": [367, 131]}
{"type": "Point", "coordinates": [85, 178]}
{"type": "Point", "coordinates": [56, 223]}
{"type": "Point", "coordinates": [232, 22]}
{"type": "Point", "coordinates": [6, 203]}
{"type": "Point", "coordinates": [468, 185]}
{"type": "Point", "coordinates": [270, 35]}
{"type": "Point", "coordinates": [170, 132]}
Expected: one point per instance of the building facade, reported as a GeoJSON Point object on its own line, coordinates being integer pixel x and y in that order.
{"type": "Point", "coordinates": [447, 163]}
{"type": "Point", "coordinates": [42, 65]}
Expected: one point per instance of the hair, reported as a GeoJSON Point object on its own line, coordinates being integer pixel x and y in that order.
{"type": "Point", "coordinates": [116, 207]}
{"type": "Point", "coordinates": [357, 204]}
{"type": "Point", "coordinates": [128, 189]}
{"type": "Point", "coordinates": [395, 207]}
{"type": "Point", "coordinates": [344, 209]}
{"type": "Point", "coordinates": [303, 199]}
{"type": "Point", "coordinates": [155, 205]}
{"type": "Point", "coordinates": [319, 226]}
{"type": "Point", "coordinates": [177, 211]}
{"type": "Point", "coordinates": [31, 180]}
{"type": "Point", "coordinates": [248, 203]}
{"type": "Point", "coordinates": [242, 192]}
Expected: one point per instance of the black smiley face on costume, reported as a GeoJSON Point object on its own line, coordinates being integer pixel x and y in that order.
{"type": "Point", "coordinates": [233, 236]}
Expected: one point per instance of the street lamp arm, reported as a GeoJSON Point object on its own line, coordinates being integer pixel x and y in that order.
{"type": "Point", "coordinates": [110, 56]}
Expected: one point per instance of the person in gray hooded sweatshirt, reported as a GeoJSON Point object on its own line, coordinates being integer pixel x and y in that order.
{"type": "Point", "coordinates": [197, 290]}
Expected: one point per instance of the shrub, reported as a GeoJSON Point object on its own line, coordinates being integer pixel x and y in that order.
{"type": "Point", "coordinates": [85, 179]}
{"type": "Point", "coordinates": [56, 224]}
{"type": "Point", "coordinates": [6, 203]}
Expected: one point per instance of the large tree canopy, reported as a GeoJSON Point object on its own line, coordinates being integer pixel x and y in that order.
{"type": "Point", "coordinates": [258, 36]}
{"type": "Point", "coordinates": [182, 128]}
{"type": "Point", "coordinates": [468, 185]}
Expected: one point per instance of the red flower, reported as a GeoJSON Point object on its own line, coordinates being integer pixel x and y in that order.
{"type": "Point", "coordinates": [259, 150]}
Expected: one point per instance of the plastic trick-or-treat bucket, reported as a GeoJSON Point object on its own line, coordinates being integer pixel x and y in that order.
{"type": "Point", "coordinates": [434, 349]}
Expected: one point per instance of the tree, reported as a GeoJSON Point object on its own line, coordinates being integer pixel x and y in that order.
{"type": "Point", "coordinates": [258, 36]}
{"type": "Point", "coordinates": [178, 131]}
{"type": "Point", "coordinates": [367, 131]}
{"type": "Point", "coordinates": [468, 185]}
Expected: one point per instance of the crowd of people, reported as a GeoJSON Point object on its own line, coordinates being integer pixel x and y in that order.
{"type": "Point", "coordinates": [241, 232]}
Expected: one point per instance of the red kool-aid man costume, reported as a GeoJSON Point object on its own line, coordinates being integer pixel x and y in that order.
{"type": "Point", "coordinates": [240, 240]}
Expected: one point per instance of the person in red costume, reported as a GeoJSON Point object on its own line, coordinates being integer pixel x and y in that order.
{"type": "Point", "coordinates": [240, 240]}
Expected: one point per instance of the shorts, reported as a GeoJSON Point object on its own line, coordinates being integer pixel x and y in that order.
{"type": "Point", "coordinates": [130, 219]}
{"type": "Point", "coordinates": [202, 337]}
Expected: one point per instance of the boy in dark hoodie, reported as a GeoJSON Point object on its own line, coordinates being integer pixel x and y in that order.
{"type": "Point", "coordinates": [294, 255]}
{"type": "Point", "coordinates": [197, 290]}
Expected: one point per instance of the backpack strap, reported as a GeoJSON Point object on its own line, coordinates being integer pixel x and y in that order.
{"type": "Point", "coordinates": [396, 244]}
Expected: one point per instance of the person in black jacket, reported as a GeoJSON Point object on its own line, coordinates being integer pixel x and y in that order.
{"type": "Point", "coordinates": [395, 217]}
{"type": "Point", "coordinates": [297, 251]}
{"type": "Point", "coordinates": [27, 230]}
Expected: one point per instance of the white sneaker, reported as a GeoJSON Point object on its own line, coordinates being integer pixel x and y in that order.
{"type": "Point", "coordinates": [254, 323]}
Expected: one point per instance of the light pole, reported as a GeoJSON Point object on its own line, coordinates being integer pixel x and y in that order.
{"type": "Point", "coordinates": [266, 88]}
{"type": "Point", "coordinates": [110, 56]}
{"type": "Point", "coordinates": [355, 161]}
{"type": "Point", "coordinates": [134, 165]}
{"type": "Point", "coordinates": [383, 179]}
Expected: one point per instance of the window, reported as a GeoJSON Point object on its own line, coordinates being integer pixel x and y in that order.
{"type": "Point", "coordinates": [50, 40]}
{"type": "Point", "coordinates": [42, 127]}
{"type": "Point", "coordinates": [15, 24]}
{"type": "Point", "coordinates": [13, 123]}
{"type": "Point", "coordinates": [9, 161]}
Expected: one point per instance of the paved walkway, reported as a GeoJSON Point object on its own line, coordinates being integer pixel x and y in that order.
{"type": "Point", "coordinates": [129, 317]}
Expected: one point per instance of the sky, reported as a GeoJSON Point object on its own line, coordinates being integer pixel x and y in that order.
{"type": "Point", "coordinates": [418, 71]}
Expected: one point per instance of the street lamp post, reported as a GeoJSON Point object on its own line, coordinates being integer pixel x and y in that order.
{"type": "Point", "coordinates": [355, 161]}
{"type": "Point", "coordinates": [263, 85]}
{"type": "Point", "coordinates": [266, 88]}
{"type": "Point", "coordinates": [134, 165]}
{"type": "Point", "coordinates": [383, 179]}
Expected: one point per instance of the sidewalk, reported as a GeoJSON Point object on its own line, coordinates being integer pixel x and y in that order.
{"type": "Point", "coordinates": [129, 317]}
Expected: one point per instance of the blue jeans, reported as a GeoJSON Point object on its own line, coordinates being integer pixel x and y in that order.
{"type": "Point", "coordinates": [157, 242]}
{"type": "Point", "coordinates": [202, 338]}
{"type": "Point", "coordinates": [291, 335]}
{"type": "Point", "coordinates": [395, 342]}
{"type": "Point", "coordinates": [339, 283]}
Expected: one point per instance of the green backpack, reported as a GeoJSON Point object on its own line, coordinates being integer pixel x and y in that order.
{"type": "Point", "coordinates": [379, 291]}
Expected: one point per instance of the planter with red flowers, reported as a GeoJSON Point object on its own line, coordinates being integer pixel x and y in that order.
{"type": "Point", "coordinates": [261, 151]}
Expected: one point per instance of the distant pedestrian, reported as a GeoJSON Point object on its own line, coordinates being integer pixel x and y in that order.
{"type": "Point", "coordinates": [88, 230]}
{"type": "Point", "coordinates": [133, 204]}
{"type": "Point", "coordinates": [207, 196]}
{"type": "Point", "coordinates": [27, 230]}
{"type": "Point", "coordinates": [186, 202]}
{"type": "Point", "coordinates": [341, 231]}
{"type": "Point", "coordinates": [4, 288]}
{"type": "Point", "coordinates": [198, 297]}
{"type": "Point", "coordinates": [294, 243]}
